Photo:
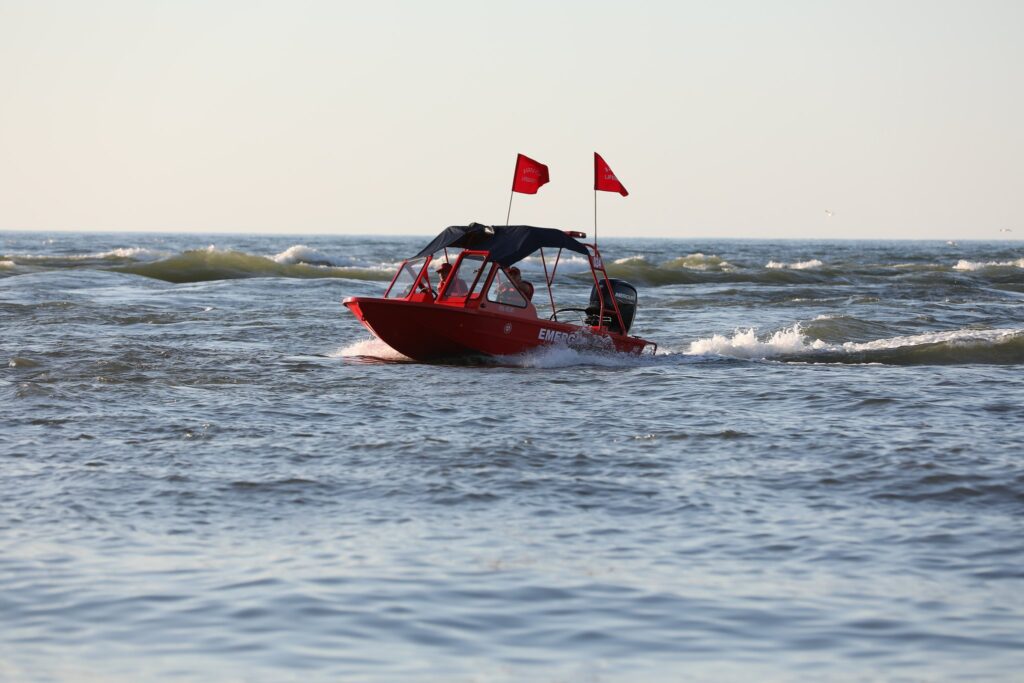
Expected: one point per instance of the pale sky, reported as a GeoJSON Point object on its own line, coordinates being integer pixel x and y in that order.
{"type": "Point", "coordinates": [723, 119]}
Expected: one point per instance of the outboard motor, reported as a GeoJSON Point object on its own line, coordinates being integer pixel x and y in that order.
{"type": "Point", "coordinates": [625, 296]}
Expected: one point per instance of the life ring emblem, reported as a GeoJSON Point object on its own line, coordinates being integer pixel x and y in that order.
{"type": "Point", "coordinates": [508, 328]}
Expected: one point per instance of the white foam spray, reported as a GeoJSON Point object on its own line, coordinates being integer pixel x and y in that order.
{"type": "Point", "coordinates": [792, 341]}
{"type": "Point", "coordinates": [134, 253]}
{"type": "Point", "coordinates": [567, 265]}
{"type": "Point", "coordinates": [978, 265]}
{"type": "Point", "coordinates": [699, 261]}
{"type": "Point", "coordinates": [745, 344]}
{"type": "Point", "coordinates": [300, 253]}
{"type": "Point", "coordinates": [799, 265]}
{"type": "Point", "coordinates": [369, 348]}
{"type": "Point", "coordinates": [559, 356]}
{"type": "Point", "coordinates": [640, 260]}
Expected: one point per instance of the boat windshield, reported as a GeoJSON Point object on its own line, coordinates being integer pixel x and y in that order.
{"type": "Point", "coordinates": [465, 276]}
{"type": "Point", "coordinates": [402, 285]}
{"type": "Point", "coordinates": [502, 291]}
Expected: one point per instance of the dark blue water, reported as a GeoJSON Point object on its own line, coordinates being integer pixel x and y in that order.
{"type": "Point", "coordinates": [210, 474]}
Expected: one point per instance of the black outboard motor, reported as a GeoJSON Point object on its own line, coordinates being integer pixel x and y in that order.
{"type": "Point", "coordinates": [625, 295]}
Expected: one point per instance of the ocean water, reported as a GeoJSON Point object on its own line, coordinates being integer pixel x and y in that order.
{"type": "Point", "coordinates": [212, 473]}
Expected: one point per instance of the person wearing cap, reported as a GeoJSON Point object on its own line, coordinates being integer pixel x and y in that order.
{"type": "Point", "coordinates": [456, 288]}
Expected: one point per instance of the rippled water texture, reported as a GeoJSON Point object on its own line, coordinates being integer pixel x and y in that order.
{"type": "Point", "coordinates": [212, 473]}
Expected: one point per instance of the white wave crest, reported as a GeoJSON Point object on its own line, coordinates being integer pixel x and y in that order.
{"type": "Point", "coordinates": [6, 264]}
{"type": "Point", "coordinates": [949, 336]}
{"type": "Point", "coordinates": [745, 344]}
{"type": "Point", "coordinates": [566, 264]}
{"type": "Point", "coordinates": [640, 260]}
{"type": "Point", "coordinates": [134, 253]}
{"type": "Point", "coordinates": [699, 261]}
{"type": "Point", "coordinates": [368, 348]}
{"type": "Point", "coordinates": [791, 341]}
{"type": "Point", "coordinates": [963, 264]}
{"type": "Point", "coordinates": [300, 253]}
{"type": "Point", "coordinates": [799, 265]}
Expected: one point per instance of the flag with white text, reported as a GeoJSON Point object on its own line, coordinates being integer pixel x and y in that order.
{"type": "Point", "coordinates": [530, 175]}
{"type": "Point", "coordinates": [604, 178]}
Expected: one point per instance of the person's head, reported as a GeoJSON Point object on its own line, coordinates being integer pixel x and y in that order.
{"type": "Point", "coordinates": [514, 273]}
{"type": "Point", "coordinates": [444, 270]}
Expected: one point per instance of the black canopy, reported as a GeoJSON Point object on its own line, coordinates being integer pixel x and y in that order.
{"type": "Point", "coordinates": [506, 243]}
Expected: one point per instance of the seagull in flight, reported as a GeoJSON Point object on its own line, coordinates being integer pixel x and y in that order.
{"type": "Point", "coordinates": [828, 214]}
{"type": "Point", "coordinates": [1005, 230]}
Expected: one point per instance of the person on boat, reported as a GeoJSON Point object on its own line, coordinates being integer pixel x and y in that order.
{"type": "Point", "coordinates": [524, 286]}
{"type": "Point", "coordinates": [508, 285]}
{"type": "Point", "coordinates": [456, 288]}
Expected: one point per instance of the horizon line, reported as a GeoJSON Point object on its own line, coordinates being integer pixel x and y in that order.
{"type": "Point", "coordinates": [315, 233]}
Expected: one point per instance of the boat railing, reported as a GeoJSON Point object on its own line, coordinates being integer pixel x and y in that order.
{"type": "Point", "coordinates": [597, 265]}
{"type": "Point", "coordinates": [413, 276]}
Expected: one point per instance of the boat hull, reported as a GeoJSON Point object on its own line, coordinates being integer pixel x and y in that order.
{"type": "Point", "coordinates": [431, 331]}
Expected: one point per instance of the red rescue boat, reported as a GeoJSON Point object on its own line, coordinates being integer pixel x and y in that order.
{"type": "Point", "coordinates": [476, 302]}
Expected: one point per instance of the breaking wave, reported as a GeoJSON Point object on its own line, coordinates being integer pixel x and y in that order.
{"type": "Point", "coordinates": [201, 265]}
{"type": "Point", "coordinates": [1001, 347]}
{"type": "Point", "coordinates": [746, 344]}
{"type": "Point", "coordinates": [689, 269]}
{"type": "Point", "coordinates": [976, 265]}
{"type": "Point", "coordinates": [647, 269]}
{"type": "Point", "coordinates": [799, 265]}
{"type": "Point", "coordinates": [567, 265]}
{"type": "Point", "coordinates": [211, 263]}
{"type": "Point", "coordinates": [632, 261]}
{"type": "Point", "coordinates": [844, 328]}
{"type": "Point", "coordinates": [129, 254]}
{"type": "Point", "coordinates": [699, 261]}
{"type": "Point", "coordinates": [793, 344]}
{"type": "Point", "coordinates": [98, 259]}
{"type": "Point", "coordinates": [301, 254]}
{"type": "Point", "coordinates": [643, 273]}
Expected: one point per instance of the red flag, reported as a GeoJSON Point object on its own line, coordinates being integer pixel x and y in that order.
{"type": "Point", "coordinates": [604, 179]}
{"type": "Point", "coordinates": [530, 175]}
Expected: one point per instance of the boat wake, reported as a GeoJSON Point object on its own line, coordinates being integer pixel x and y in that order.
{"type": "Point", "coordinates": [790, 345]}
{"type": "Point", "coordinates": [563, 356]}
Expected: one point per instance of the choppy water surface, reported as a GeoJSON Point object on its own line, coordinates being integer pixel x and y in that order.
{"type": "Point", "coordinates": [207, 476]}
